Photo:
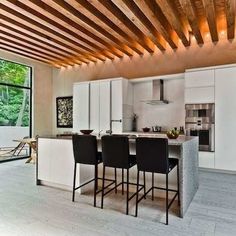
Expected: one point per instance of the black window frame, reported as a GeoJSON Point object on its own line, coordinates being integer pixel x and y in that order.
{"type": "Point", "coordinates": [30, 102]}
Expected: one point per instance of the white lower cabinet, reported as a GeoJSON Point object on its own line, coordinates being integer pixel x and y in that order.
{"type": "Point", "coordinates": [207, 159]}
{"type": "Point", "coordinates": [225, 118]}
{"type": "Point", "coordinates": [56, 164]}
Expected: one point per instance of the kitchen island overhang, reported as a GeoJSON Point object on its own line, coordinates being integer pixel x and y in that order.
{"type": "Point", "coordinates": [55, 164]}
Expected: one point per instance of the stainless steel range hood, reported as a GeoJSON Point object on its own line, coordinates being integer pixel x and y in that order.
{"type": "Point", "coordinates": [157, 93]}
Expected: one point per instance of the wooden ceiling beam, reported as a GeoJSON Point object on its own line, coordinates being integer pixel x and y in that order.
{"type": "Point", "coordinates": [31, 31]}
{"type": "Point", "coordinates": [191, 15]}
{"type": "Point", "coordinates": [210, 13]}
{"type": "Point", "coordinates": [230, 18]}
{"type": "Point", "coordinates": [116, 12]}
{"type": "Point", "coordinates": [79, 18]}
{"type": "Point", "coordinates": [95, 15]}
{"type": "Point", "coordinates": [29, 54]}
{"type": "Point", "coordinates": [34, 52]}
{"type": "Point", "coordinates": [172, 15]}
{"type": "Point", "coordinates": [31, 18]}
{"type": "Point", "coordinates": [18, 52]}
{"type": "Point", "coordinates": [56, 19]}
{"type": "Point", "coordinates": [131, 10]}
{"type": "Point", "coordinates": [35, 40]}
{"type": "Point", "coordinates": [29, 40]}
{"type": "Point", "coordinates": [155, 16]}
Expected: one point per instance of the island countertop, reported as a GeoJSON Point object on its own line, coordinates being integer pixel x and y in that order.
{"type": "Point", "coordinates": [132, 136]}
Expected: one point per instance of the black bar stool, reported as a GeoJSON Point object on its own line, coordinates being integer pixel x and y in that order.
{"type": "Point", "coordinates": [153, 156]}
{"type": "Point", "coordinates": [85, 152]}
{"type": "Point", "coordinates": [115, 153]}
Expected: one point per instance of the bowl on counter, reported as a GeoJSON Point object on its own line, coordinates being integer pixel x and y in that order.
{"type": "Point", "coordinates": [86, 131]}
{"type": "Point", "coordinates": [172, 134]}
{"type": "Point", "coordinates": [146, 129]}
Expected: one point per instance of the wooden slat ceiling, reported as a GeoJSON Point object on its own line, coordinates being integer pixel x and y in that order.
{"type": "Point", "coordinates": [69, 32]}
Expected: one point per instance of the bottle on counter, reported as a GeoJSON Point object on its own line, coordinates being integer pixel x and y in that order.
{"type": "Point", "coordinates": [134, 122]}
{"type": "Point", "coordinates": [181, 130]}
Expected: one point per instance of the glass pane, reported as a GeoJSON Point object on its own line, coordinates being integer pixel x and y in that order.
{"type": "Point", "coordinates": [14, 121]}
{"type": "Point", "coordinates": [12, 73]}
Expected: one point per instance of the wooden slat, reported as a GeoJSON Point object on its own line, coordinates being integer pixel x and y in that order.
{"type": "Point", "coordinates": [29, 55]}
{"type": "Point", "coordinates": [172, 15]}
{"type": "Point", "coordinates": [145, 42]}
{"type": "Point", "coordinates": [95, 15]}
{"type": "Point", "coordinates": [155, 16]}
{"type": "Point", "coordinates": [209, 8]}
{"type": "Point", "coordinates": [29, 40]}
{"type": "Point", "coordinates": [190, 12]}
{"type": "Point", "coordinates": [80, 18]}
{"type": "Point", "coordinates": [33, 52]}
{"type": "Point", "coordinates": [53, 30]}
{"type": "Point", "coordinates": [230, 18]}
{"type": "Point", "coordinates": [31, 31]}
{"type": "Point", "coordinates": [130, 9]}
{"type": "Point", "coordinates": [56, 19]}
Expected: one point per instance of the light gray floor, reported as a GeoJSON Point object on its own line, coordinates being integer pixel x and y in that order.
{"type": "Point", "coordinates": [30, 210]}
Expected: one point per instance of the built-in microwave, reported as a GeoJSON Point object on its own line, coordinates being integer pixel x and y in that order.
{"type": "Point", "coordinates": [200, 121]}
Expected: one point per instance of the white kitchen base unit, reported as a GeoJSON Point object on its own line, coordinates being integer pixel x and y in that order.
{"type": "Point", "coordinates": [207, 159]}
{"type": "Point", "coordinates": [55, 164]}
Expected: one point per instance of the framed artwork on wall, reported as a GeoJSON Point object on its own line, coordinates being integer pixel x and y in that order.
{"type": "Point", "coordinates": [64, 112]}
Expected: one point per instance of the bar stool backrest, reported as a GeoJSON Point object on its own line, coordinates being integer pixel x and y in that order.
{"type": "Point", "coordinates": [85, 149]}
{"type": "Point", "coordinates": [115, 151]}
{"type": "Point", "coordinates": [152, 154]}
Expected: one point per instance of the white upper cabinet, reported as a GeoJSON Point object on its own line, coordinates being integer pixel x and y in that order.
{"type": "Point", "coordinates": [199, 86]}
{"type": "Point", "coordinates": [199, 95]}
{"type": "Point", "coordinates": [81, 106]}
{"type": "Point", "coordinates": [202, 78]}
{"type": "Point", "coordinates": [95, 106]}
{"type": "Point", "coordinates": [117, 104]}
{"type": "Point", "coordinates": [225, 118]}
{"type": "Point", "coordinates": [105, 105]}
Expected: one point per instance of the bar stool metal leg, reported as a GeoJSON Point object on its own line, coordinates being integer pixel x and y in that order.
{"type": "Point", "coordinates": [127, 196]}
{"type": "Point", "coordinates": [167, 199]}
{"type": "Point", "coordinates": [144, 184]}
{"type": "Point", "coordinates": [74, 181]}
{"type": "Point", "coordinates": [178, 184]}
{"type": "Point", "coordinates": [152, 186]}
{"type": "Point", "coordinates": [103, 185]}
{"type": "Point", "coordinates": [122, 181]}
{"type": "Point", "coordinates": [136, 208]}
{"type": "Point", "coordinates": [115, 181]}
{"type": "Point", "coordinates": [95, 184]}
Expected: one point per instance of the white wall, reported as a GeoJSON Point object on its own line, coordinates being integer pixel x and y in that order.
{"type": "Point", "coordinates": [166, 115]}
{"type": "Point", "coordinates": [42, 92]}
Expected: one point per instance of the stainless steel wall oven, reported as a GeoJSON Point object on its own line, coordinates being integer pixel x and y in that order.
{"type": "Point", "coordinates": [200, 121]}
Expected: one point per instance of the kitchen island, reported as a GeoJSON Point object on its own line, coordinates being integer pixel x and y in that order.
{"type": "Point", "coordinates": [55, 163]}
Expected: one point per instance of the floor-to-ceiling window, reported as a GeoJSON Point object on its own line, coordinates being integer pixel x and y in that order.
{"type": "Point", "coordinates": [15, 109]}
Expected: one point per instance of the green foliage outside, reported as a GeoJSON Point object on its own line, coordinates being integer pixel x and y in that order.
{"type": "Point", "coordinates": [14, 102]}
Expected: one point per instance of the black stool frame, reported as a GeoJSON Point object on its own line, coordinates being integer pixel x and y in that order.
{"type": "Point", "coordinates": [95, 179]}
{"type": "Point", "coordinates": [128, 198]}
{"type": "Point", "coordinates": [168, 204]}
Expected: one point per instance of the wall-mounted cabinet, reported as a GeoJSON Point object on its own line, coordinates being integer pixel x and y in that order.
{"type": "Point", "coordinates": [106, 100]}
{"type": "Point", "coordinates": [199, 87]}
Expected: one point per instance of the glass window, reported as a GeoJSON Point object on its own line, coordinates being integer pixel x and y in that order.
{"type": "Point", "coordinates": [15, 108]}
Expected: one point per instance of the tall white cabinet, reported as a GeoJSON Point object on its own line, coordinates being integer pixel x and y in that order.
{"type": "Point", "coordinates": [81, 101]}
{"type": "Point", "coordinates": [105, 100]}
{"type": "Point", "coordinates": [225, 118]}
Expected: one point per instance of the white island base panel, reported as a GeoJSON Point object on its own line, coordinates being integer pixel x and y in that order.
{"type": "Point", "coordinates": [55, 167]}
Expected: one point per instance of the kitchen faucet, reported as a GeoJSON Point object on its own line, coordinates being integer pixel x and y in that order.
{"type": "Point", "coordinates": [110, 130]}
